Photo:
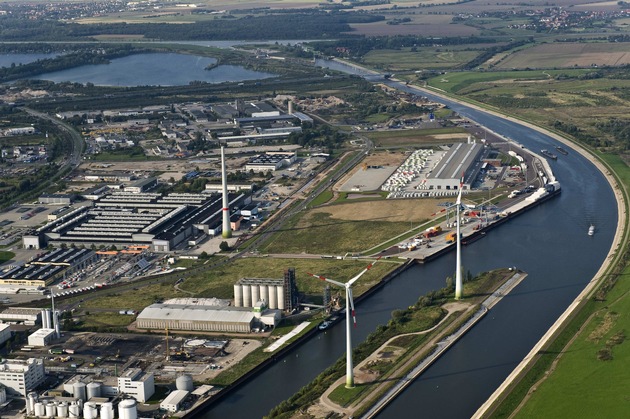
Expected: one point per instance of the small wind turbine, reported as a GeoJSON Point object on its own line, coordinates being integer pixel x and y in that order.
{"type": "Point", "coordinates": [349, 302]}
{"type": "Point", "coordinates": [458, 263]}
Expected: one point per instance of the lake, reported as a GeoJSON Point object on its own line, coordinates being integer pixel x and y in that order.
{"type": "Point", "coordinates": [158, 69]}
{"type": "Point", "coordinates": [7, 59]}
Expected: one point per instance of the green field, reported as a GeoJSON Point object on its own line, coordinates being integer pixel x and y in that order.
{"type": "Point", "coordinates": [422, 59]}
{"type": "Point", "coordinates": [414, 137]}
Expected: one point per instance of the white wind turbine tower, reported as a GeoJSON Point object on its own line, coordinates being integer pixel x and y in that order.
{"type": "Point", "coordinates": [458, 263]}
{"type": "Point", "coordinates": [349, 302]}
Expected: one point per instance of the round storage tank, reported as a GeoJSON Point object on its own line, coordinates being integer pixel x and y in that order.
{"type": "Point", "coordinates": [247, 296]}
{"type": "Point", "coordinates": [238, 296]}
{"type": "Point", "coordinates": [280, 290]}
{"type": "Point", "coordinates": [255, 294]}
{"type": "Point", "coordinates": [62, 410]}
{"type": "Point", "coordinates": [93, 390]}
{"type": "Point", "coordinates": [39, 409]}
{"type": "Point", "coordinates": [184, 382]}
{"type": "Point", "coordinates": [79, 390]}
{"type": "Point", "coordinates": [264, 294]}
{"type": "Point", "coordinates": [89, 411]}
{"type": "Point", "coordinates": [30, 403]}
{"type": "Point", "coordinates": [107, 411]}
{"type": "Point", "coordinates": [74, 410]}
{"type": "Point", "coordinates": [273, 300]}
{"type": "Point", "coordinates": [51, 410]}
{"type": "Point", "coordinates": [127, 409]}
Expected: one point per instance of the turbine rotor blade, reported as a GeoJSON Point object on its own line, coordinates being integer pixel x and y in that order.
{"type": "Point", "coordinates": [351, 303]}
{"type": "Point", "coordinates": [353, 280]}
{"type": "Point", "coordinates": [323, 278]}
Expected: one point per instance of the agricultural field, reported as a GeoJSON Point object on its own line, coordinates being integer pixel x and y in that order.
{"type": "Point", "coordinates": [423, 25]}
{"type": "Point", "coordinates": [406, 59]}
{"type": "Point", "coordinates": [563, 55]}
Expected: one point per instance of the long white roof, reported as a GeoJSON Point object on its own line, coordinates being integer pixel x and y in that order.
{"type": "Point", "coordinates": [197, 313]}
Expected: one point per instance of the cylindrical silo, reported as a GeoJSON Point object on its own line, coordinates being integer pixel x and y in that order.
{"type": "Point", "coordinates": [107, 411]}
{"type": "Point", "coordinates": [184, 382]}
{"type": "Point", "coordinates": [247, 296]}
{"type": "Point", "coordinates": [264, 294]}
{"type": "Point", "coordinates": [280, 291]}
{"type": "Point", "coordinates": [93, 390]}
{"type": "Point", "coordinates": [46, 319]}
{"type": "Point", "coordinates": [79, 390]}
{"type": "Point", "coordinates": [238, 295]}
{"type": "Point", "coordinates": [51, 410]}
{"type": "Point", "coordinates": [273, 297]}
{"type": "Point", "coordinates": [39, 409]}
{"type": "Point", "coordinates": [127, 409]}
{"type": "Point", "coordinates": [74, 410]}
{"type": "Point", "coordinates": [30, 403]}
{"type": "Point", "coordinates": [62, 410]}
{"type": "Point", "coordinates": [255, 294]}
{"type": "Point", "coordinates": [90, 411]}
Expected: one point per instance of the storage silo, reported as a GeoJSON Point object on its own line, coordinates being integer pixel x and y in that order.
{"type": "Point", "coordinates": [107, 410]}
{"type": "Point", "coordinates": [79, 390]}
{"type": "Point", "coordinates": [90, 411]}
{"type": "Point", "coordinates": [247, 296]}
{"type": "Point", "coordinates": [264, 293]}
{"type": "Point", "coordinates": [184, 382]}
{"type": "Point", "coordinates": [51, 410]}
{"type": "Point", "coordinates": [46, 319]}
{"type": "Point", "coordinates": [280, 291]}
{"type": "Point", "coordinates": [30, 403]}
{"type": "Point", "coordinates": [238, 295]}
{"type": "Point", "coordinates": [127, 409]}
{"type": "Point", "coordinates": [273, 297]}
{"type": "Point", "coordinates": [62, 410]}
{"type": "Point", "coordinates": [39, 409]}
{"type": "Point", "coordinates": [255, 293]}
{"type": "Point", "coordinates": [93, 390]}
{"type": "Point", "coordinates": [74, 410]}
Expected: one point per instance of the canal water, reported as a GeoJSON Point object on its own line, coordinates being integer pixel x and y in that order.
{"type": "Point", "coordinates": [549, 242]}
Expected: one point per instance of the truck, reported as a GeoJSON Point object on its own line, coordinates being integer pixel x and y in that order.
{"type": "Point", "coordinates": [432, 231]}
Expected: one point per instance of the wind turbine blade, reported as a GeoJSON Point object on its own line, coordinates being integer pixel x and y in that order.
{"type": "Point", "coordinates": [323, 278]}
{"type": "Point", "coordinates": [351, 303]}
{"type": "Point", "coordinates": [353, 280]}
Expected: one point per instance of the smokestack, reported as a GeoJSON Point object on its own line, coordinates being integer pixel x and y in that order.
{"type": "Point", "coordinates": [290, 107]}
{"type": "Point", "coordinates": [227, 231]}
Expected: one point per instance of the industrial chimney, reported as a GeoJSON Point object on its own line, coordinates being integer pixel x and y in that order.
{"type": "Point", "coordinates": [227, 231]}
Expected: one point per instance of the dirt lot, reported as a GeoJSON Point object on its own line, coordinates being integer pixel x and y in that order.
{"type": "Point", "coordinates": [391, 210]}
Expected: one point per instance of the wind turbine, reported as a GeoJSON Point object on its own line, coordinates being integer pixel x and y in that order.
{"type": "Point", "coordinates": [350, 302]}
{"type": "Point", "coordinates": [458, 263]}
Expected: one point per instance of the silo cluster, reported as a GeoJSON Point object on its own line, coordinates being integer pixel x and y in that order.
{"type": "Point", "coordinates": [127, 409]}
{"type": "Point", "coordinates": [249, 291]}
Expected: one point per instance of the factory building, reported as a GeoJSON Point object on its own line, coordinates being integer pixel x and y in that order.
{"type": "Point", "coordinates": [461, 158]}
{"type": "Point", "coordinates": [281, 294]}
{"type": "Point", "coordinates": [205, 318]}
{"type": "Point", "coordinates": [5, 333]}
{"type": "Point", "coordinates": [56, 199]}
{"type": "Point", "coordinates": [270, 161]}
{"type": "Point", "coordinates": [48, 267]}
{"type": "Point", "coordinates": [173, 401]}
{"type": "Point", "coordinates": [28, 316]}
{"type": "Point", "coordinates": [231, 187]}
{"type": "Point", "coordinates": [137, 384]}
{"type": "Point", "coordinates": [162, 222]}
{"type": "Point", "coordinates": [133, 382]}
{"type": "Point", "coordinates": [41, 337]}
{"type": "Point", "coordinates": [21, 376]}
{"type": "Point", "coordinates": [142, 185]}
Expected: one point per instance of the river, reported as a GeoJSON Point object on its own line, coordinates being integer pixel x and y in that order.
{"type": "Point", "coordinates": [549, 242]}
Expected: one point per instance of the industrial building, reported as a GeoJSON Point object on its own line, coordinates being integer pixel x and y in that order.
{"type": "Point", "coordinates": [28, 316]}
{"type": "Point", "coordinates": [21, 376]}
{"type": "Point", "coordinates": [48, 267]}
{"type": "Point", "coordinates": [133, 382]}
{"type": "Point", "coordinates": [41, 337]}
{"type": "Point", "coordinates": [142, 185]}
{"type": "Point", "coordinates": [56, 199]}
{"type": "Point", "coordinates": [162, 222]}
{"type": "Point", "coordinates": [173, 401]}
{"type": "Point", "coordinates": [205, 318]}
{"type": "Point", "coordinates": [461, 159]}
{"type": "Point", "coordinates": [271, 161]}
{"type": "Point", "coordinates": [278, 294]}
{"type": "Point", "coordinates": [5, 333]}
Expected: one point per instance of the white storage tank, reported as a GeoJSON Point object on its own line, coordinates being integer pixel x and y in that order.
{"type": "Point", "coordinates": [74, 410]}
{"type": "Point", "coordinates": [107, 410]}
{"type": "Point", "coordinates": [90, 411]}
{"type": "Point", "coordinates": [93, 390]}
{"type": "Point", "coordinates": [264, 293]}
{"type": "Point", "coordinates": [280, 291]}
{"type": "Point", "coordinates": [30, 403]}
{"type": "Point", "coordinates": [51, 410]}
{"type": "Point", "coordinates": [62, 410]}
{"type": "Point", "coordinates": [127, 409]}
{"type": "Point", "coordinates": [247, 296]}
{"type": "Point", "coordinates": [255, 294]}
{"type": "Point", "coordinates": [39, 409]}
{"type": "Point", "coordinates": [238, 296]}
{"type": "Point", "coordinates": [273, 297]}
{"type": "Point", "coordinates": [184, 382]}
{"type": "Point", "coordinates": [79, 390]}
